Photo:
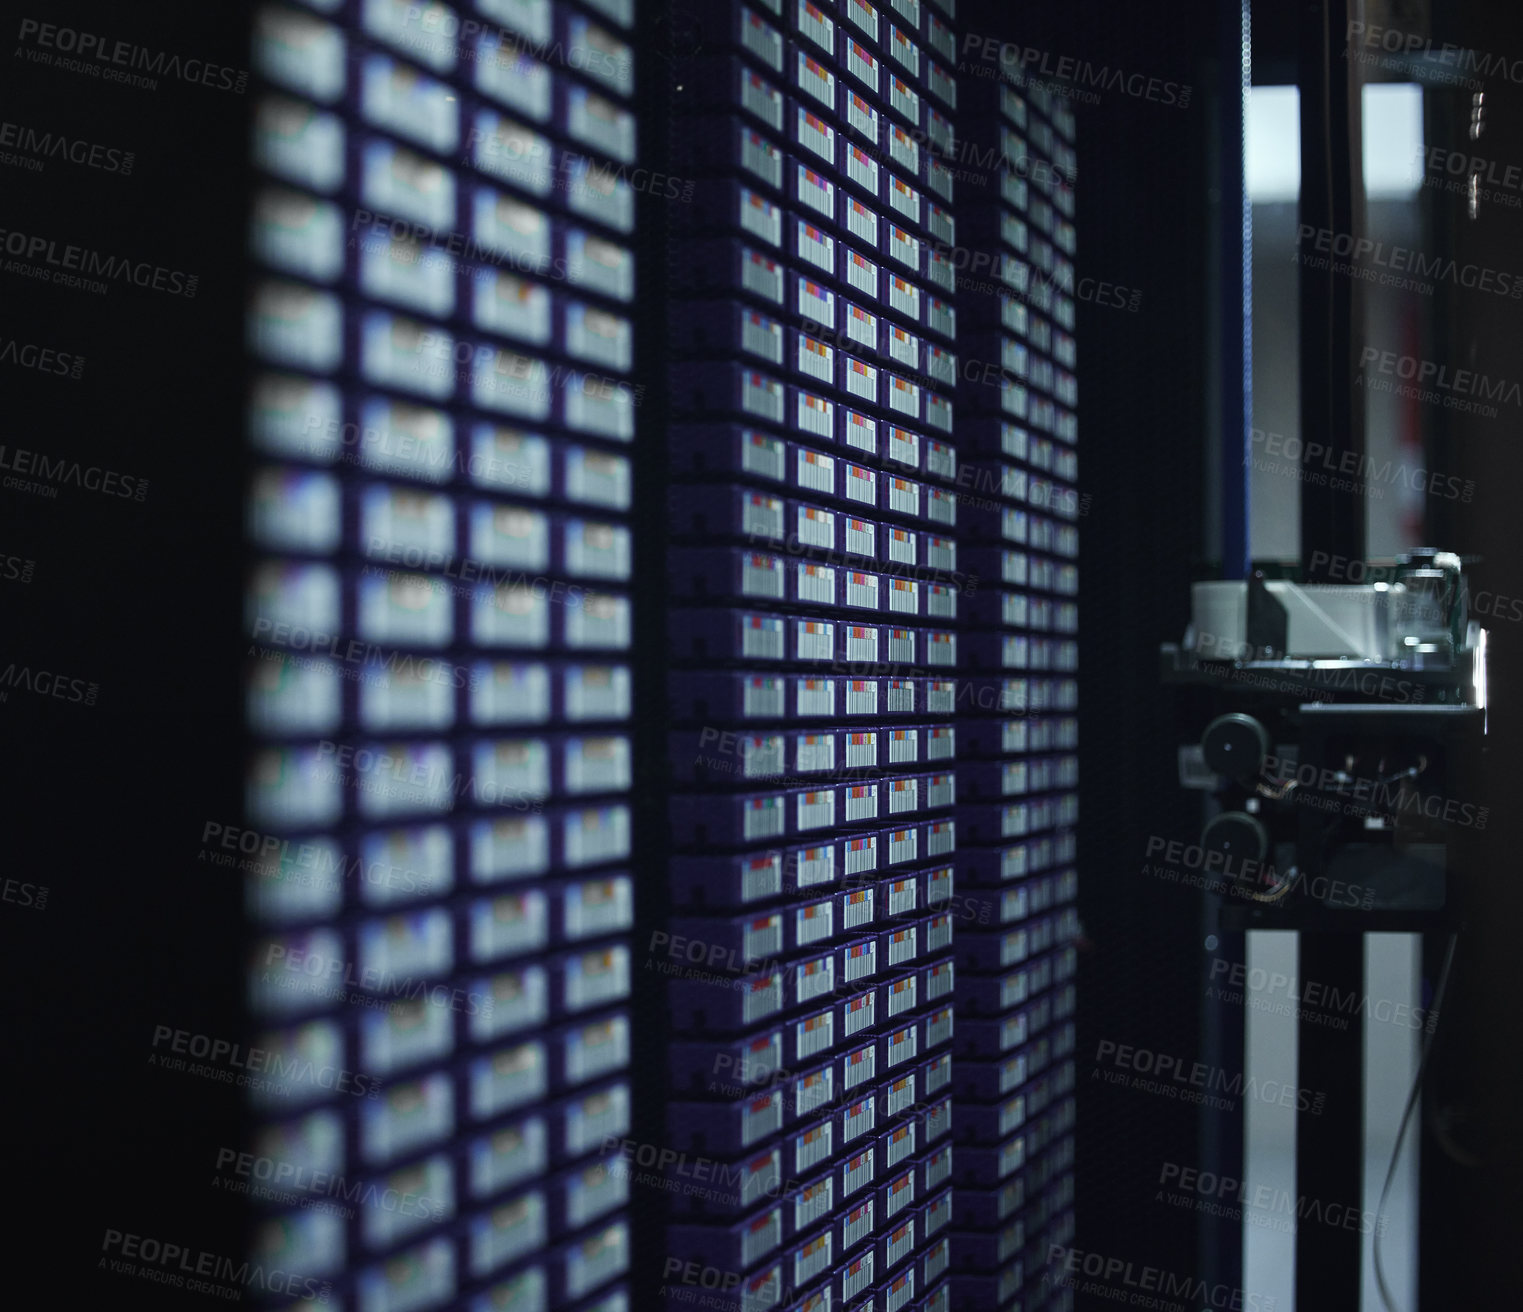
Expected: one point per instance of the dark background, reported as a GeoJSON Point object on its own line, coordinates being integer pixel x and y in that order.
{"type": "Point", "coordinates": [106, 804]}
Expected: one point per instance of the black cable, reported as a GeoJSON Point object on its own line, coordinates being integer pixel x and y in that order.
{"type": "Point", "coordinates": [1446, 1141]}
{"type": "Point", "coordinates": [1406, 1117]}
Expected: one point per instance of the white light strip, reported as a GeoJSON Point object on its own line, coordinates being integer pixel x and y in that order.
{"type": "Point", "coordinates": [1270, 1052]}
{"type": "Point", "coordinates": [1393, 140]}
{"type": "Point", "coordinates": [1274, 144]}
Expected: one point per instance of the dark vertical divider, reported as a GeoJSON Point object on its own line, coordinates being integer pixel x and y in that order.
{"type": "Point", "coordinates": [661, 59]}
{"type": "Point", "coordinates": [121, 313]}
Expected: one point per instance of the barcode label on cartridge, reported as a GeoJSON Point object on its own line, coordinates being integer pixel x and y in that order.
{"type": "Point", "coordinates": [811, 1147]}
{"type": "Point", "coordinates": [904, 296]}
{"type": "Point", "coordinates": [761, 275]}
{"type": "Point", "coordinates": [816, 415]}
{"type": "Point", "coordinates": [762, 877]}
{"type": "Point", "coordinates": [762, 158]}
{"type": "Point", "coordinates": [761, 576]}
{"type": "Point", "coordinates": [862, 221]}
{"type": "Point", "coordinates": [816, 527]}
{"type": "Point", "coordinates": [858, 1225]}
{"type": "Point", "coordinates": [862, 748]}
{"type": "Point", "coordinates": [862, 802]}
{"type": "Point", "coordinates": [904, 495]}
{"type": "Point", "coordinates": [861, 379]}
{"type": "Point", "coordinates": [761, 39]}
{"type": "Point", "coordinates": [859, 1171]}
{"type": "Point", "coordinates": [862, 116]}
{"type": "Point", "coordinates": [762, 99]}
{"type": "Point", "coordinates": [861, 485]}
{"type": "Point", "coordinates": [816, 696]}
{"type": "Point", "coordinates": [814, 1034]}
{"type": "Point", "coordinates": [862, 169]}
{"type": "Point", "coordinates": [763, 1235]}
{"type": "Point", "coordinates": [861, 854]}
{"type": "Point", "coordinates": [762, 336]}
{"type": "Point", "coordinates": [862, 273]}
{"type": "Point", "coordinates": [904, 595]}
{"type": "Point", "coordinates": [813, 979]}
{"type": "Point", "coordinates": [815, 134]}
{"type": "Point", "coordinates": [860, 1066]}
{"type": "Point", "coordinates": [760, 217]}
{"type": "Point", "coordinates": [760, 395]}
{"type": "Point", "coordinates": [903, 347]}
{"type": "Point", "coordinates": [814, 640]}
{"type": "Point", "coordinates": [861, 960]}
{"type": "Point", "coordinates": [862, 590]}
{"type": "Point", "coordinates": [861, 642]}
{"type": "Point", "coordinates": [814, 1091]}
{"type": "Point", "coordinates": [762, 1117]}
{"type": "Point", "coordinates": [812, 923]}
{"type": "Point", "coordinates": [816, 471]}
{"type": "Point", "coordinates": [764, 997]}
{"type": "Point", "coordinates": [762, 516]}
{"type": "Point", "coordinates": [763, 817]}
{"type": "Point", "coordinates": [817, 810]}
{"type": "Point", "coordinates": [862, 697]}
{"type": "Point", "coordinates": [816, 751]}
{"type": "Point", "coordinates": [861, 432]}
{"type": "Point", "coordinates": [816, 1255]}
{"type": "Point", "coordinates": [903, 795]}
{"type": "Point", "coordinates": [938, 886]}
{"type": "Point", "coordinates": [903, 745]}
{"type": "Point", "coordinates": [816, 191]}
{"type": "Point", "coordinates": [762, 698]}
{"type": "Point", "coordinates": [764, 455]}
{"type": "Point", "coordinates": [817, 583]}
{"type": "Point", "coordinates": [902, 945]}
{"type": "Point", "coordinates": [903, 996]}
{"type": "Point", "coordinates": [816, 865]}
{"type": "Point", "coordinates": [857, 909]}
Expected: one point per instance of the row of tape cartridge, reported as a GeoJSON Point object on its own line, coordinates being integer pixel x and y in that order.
{"type": "Point", "coordinates": [816, 579]}
{"type": "Point", "coordinates": [1013, 1070]}
{"type": "Point", "coordinates": [438, 676]}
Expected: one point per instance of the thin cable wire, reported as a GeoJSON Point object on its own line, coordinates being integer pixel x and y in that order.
{"type": "Point", "coordinates": [1406, 1118]}
{"type": "Point", "coordinates": [1446, 1141]}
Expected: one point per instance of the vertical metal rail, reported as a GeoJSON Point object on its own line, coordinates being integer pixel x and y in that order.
{"type": "Point", "coordinates": [1235, 291]}
{"type": "Point", "coordinates": [1329, 1145]}
{"type": "Point", "coordinates": [1223, 1031]}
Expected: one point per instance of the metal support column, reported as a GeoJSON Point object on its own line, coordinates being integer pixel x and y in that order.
{"type": "Point", "coordinates": [1329, 1142]}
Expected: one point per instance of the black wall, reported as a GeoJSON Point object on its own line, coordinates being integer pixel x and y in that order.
{"type": "Point", "coordinates": [104, 804]}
